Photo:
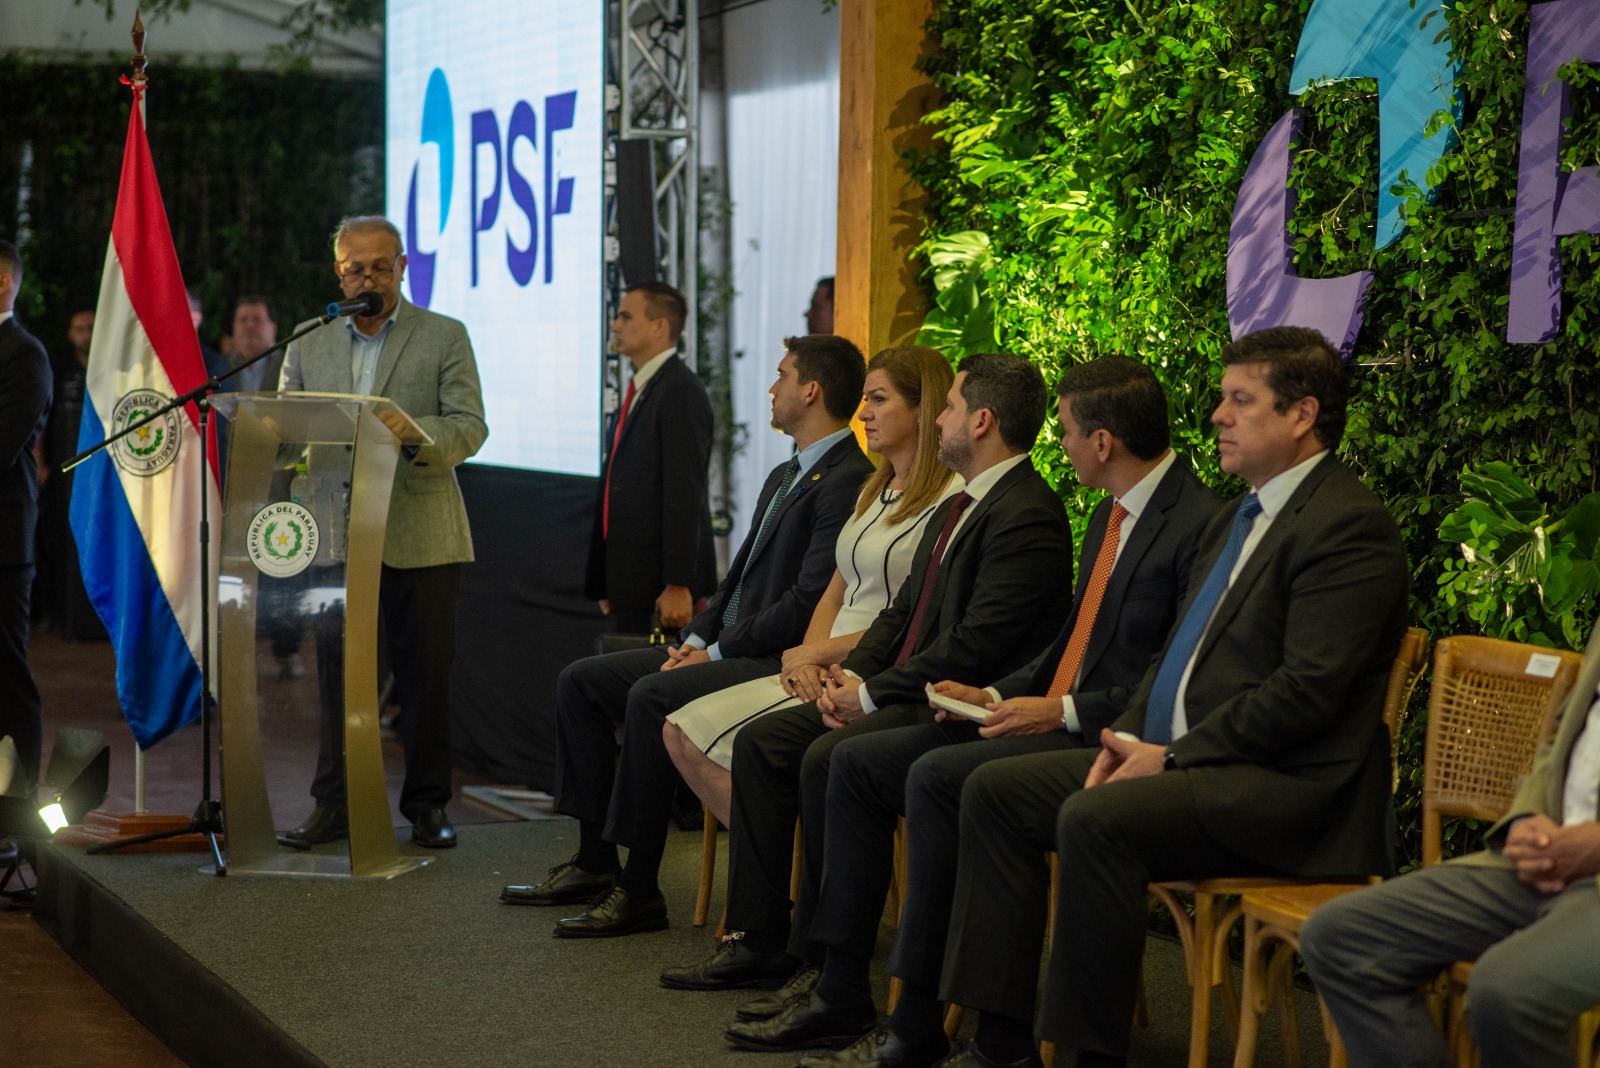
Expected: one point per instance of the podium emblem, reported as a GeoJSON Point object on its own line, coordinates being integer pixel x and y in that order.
{"type": "Point", "coordinates": [282, 539]}
{"type": "Point", "coordinates": [151, 449]}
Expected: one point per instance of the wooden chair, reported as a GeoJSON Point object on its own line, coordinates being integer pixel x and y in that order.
{"type": "Point", "coordinates": [1273, 915]}
{"type": "Point", "coordinates": [1472, 765]}
{"type": "Point", "coordinates": [708, 871]}
{"type": "Point", "coordinates": [1485, 718]}
{"type": "Point", "coordinates": [1204, 935]}
{"type": "Point", "coordinates": [1217, 904]}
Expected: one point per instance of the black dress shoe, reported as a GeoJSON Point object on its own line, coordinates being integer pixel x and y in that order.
{"type": "Point", "coordinates": [807, 1023]}
{"type": "Point", "coordinates": [730, 966]}
{"type": "Point", "coordinates": [564, 884]}
{"type": "Point", "coordinates": [616, 914]}
{"type": "Point", "coordinates": [431, 830]}
{"type": "Point", "coordinates": [765, 1007]}
{"type": "Point", "coordinates": [327, 823]}
{"type": "Point", "coordinates": [882, 1047]}
{"type": "Point", "coordinates": [967, 1055]}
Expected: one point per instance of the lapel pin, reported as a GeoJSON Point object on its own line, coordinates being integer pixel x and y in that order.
{"type": "Point", "coordinates": [817, 476]}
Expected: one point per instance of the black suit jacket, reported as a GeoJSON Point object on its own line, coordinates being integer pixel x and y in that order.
{"type": "Point", "coordinates": [1286, 749]}
{"type": "Point", "coordinates": [794, 564]}
{"type": "Point", "coordinates": [1002, 591]}
{"type": "Point", "coordinates": [1148, 583]}
{"type": "Point", "coordinates": [24, 407]}
{"type": "Point", "coordinates": [660, 516]}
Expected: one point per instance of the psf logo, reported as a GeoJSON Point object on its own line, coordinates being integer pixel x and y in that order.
{"type": "Point", "coordinates": [151, 449]}
{"type": "Point", "coordinates": [492, 170]}
{"type": "Point", "coordinates": [282, 539]}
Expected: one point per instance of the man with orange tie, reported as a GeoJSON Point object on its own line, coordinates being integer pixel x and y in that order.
{"type": "Point", "coordinates": [1133, 571]}
{"type": "Point", "coordinates": [650, 554]}
{"type": "Point", "coordinates": [1254, 745]}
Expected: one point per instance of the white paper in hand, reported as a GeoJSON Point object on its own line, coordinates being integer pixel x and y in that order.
{"type": "Point", "coordinates": [976, 713]}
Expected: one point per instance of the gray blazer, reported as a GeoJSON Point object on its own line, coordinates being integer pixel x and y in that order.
{"type": "Point", "coordinates": [428, 369]}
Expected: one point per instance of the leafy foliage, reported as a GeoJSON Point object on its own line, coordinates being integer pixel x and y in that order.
{"type": "Point", "coordinates": [256, 170]}
{"type": "Point", "coordinates": [1099, 147]}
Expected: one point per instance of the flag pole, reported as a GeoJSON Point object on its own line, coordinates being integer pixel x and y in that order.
{"type": "Point", "coordinates": [138, 81]}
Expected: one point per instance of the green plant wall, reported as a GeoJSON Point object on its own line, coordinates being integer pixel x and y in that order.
{"type": "Point", "coordinates": [256, 170]}
{"type": "Point", "coordinates": [1100, 146]}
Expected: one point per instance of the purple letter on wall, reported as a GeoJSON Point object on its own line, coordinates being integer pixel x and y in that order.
{"type": "Point", "coordinates": [1550, 204]}
{"type": "Point", "coordinates": [1263, 290]}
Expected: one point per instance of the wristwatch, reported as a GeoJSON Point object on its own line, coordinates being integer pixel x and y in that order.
{"type": "Point", "coordinates": [1169, 760]}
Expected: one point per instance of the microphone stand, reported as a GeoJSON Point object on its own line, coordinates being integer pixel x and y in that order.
{"type": "Point", "coordinates": [207, 818]}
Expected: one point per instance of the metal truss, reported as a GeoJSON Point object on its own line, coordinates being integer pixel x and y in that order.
{"type": "Point", "coordinates": [653, 61]}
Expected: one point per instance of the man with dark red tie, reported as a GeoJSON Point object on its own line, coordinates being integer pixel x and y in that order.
{"type": "Point", "coordinates": [990, 585]}
{"type": "Point", "coordinates": [650, 554]}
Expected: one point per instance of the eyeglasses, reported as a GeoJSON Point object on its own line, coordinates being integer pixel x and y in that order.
{"type": "Point", "coordinates": [355, 272]}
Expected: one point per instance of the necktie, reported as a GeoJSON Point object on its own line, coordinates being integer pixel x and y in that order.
{"type": "Point", "coordinates": [1093, 594]}
{"type": "Point", "coordinates": [616, 436]}
{"type": "Point", "coordinates": [951, 518]}
{"type": "Point", "coordinates": [790, 473]}
{"type": "Point", "coordinates": [1164, 691]}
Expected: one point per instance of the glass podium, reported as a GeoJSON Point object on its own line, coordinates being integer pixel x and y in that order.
{"type": "Point", "coordinates": [306, 505]}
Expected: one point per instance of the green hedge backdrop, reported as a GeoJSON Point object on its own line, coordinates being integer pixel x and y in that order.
{"type": "Point", "coordinates": [256, 170]}
{"type": "Point", "coordinates": [1099, 148]}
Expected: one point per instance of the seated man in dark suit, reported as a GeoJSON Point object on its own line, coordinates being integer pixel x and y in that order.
{"type": "Point", "coordinates": [1254, 746]}
{"type": "Point", "coordinates": [989, 585]}
{"type": "Point", "coordinates": [1526, 909]}
{"type": "Point", "coordinates": [761, 609]}
{"type": "Point", "coordinates": [1133, 573]}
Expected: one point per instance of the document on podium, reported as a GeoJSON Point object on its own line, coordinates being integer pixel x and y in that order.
{"type": "Point", "coordinates": [976, 713]}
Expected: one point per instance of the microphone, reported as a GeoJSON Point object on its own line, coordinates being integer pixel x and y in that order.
{"type": "Point", "coordinates": [366, 304]}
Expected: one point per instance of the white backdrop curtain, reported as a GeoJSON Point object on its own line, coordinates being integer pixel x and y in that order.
{"type": "Point", "coordinates": [782, 70]}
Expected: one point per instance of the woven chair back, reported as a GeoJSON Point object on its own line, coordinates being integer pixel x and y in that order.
{"type": "Point", "coordinates": [1491, 703]}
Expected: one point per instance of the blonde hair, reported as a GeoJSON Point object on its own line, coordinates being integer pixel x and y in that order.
{"type": "Point", "coordinates": [921, 377]}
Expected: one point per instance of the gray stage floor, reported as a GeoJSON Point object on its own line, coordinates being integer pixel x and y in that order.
{"type": "Point", "coordinates": [429, 969]}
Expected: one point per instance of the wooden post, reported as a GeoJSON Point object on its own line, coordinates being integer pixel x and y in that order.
{"type": "Point", "coordinates": [882, 98]}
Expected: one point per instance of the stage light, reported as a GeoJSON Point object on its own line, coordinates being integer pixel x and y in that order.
{"type": "Point", "coordinates": [80, 770]}
{"type": "Point", "coordinates": [54, 816]}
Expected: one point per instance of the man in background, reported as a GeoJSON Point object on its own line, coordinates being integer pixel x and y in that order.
{"type": "Point", "coordinates": [255, 330]}
{"type": "Point", "coordinates": [650, 552]}
{"type": "Point", "coordinates": [819, 314]}
{"type": "Point", "coordinates": [24, 406]}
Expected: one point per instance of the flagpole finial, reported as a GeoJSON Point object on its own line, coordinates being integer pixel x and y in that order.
{"type": "Point", "coordinates": [138, 50]}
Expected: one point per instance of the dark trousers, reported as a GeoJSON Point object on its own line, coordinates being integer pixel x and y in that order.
{"type": "Point", "coordinates": [633, 797]}
{"type": "Point", "coordinates": [780, 773]}
{"type": "Point", "coordinates": [1113, 841]}
{"type": "Point", "coordinates": [1373, 953]}
{"type": "Point", "coordinates": [929, 795]}
{"type": "Point", "coordinates": [21, 715]}
{"type": "Point", "coordinates": [418, 606]}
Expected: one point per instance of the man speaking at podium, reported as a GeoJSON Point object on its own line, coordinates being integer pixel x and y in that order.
{"type": "Point", "coordinates": [424, 363]}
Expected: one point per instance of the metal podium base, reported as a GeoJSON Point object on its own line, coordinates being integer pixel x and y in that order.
{"type": "Point", "coordinates": [320, 866]}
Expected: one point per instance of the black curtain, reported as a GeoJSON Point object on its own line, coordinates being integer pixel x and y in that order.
{"type": "Point", "coordinates": [523, 618]}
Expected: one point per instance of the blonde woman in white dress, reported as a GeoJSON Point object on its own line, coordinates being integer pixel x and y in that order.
{"type": "Point", "coordinates": [904, 392]}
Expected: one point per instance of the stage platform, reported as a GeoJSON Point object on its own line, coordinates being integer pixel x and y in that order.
{"type": "Point", "coordinates": [429, 969]}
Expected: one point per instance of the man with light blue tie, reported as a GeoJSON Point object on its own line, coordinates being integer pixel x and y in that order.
{"type": "Point", "coordinates": [1254, 746]}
